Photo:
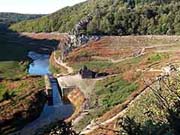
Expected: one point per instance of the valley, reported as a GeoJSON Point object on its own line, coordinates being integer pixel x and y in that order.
{"type": "Point", "coordinates": [128, 72]}
{"type": "Point", "coordinates": [100, 67]}
{"type": "Point", "coordinates": [144, 59]}
{"type": "Point", "coordinates": [20, 101]}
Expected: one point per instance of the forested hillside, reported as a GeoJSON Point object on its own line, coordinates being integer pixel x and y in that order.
{"type": "Point", "coordinates": [15, 17]}
{"type": "Point", "coordinates": [117, 17]}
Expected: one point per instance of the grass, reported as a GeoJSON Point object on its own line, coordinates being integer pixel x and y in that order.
{"type": "Point", "coordinates": [107, 93]}
{"type": "Point", "coordinates": [149, 103]}
{"type": "Point", "coordinates": [98, 66]}
{"type": "Point", "coordinates": [157, 57]}
{"type": "Point", "coordinates": [2, 90]}
{"type": "Point", "coordinates": [107, 66]}
{"type": "Point", "coordinates": [141, 106]}
{"type": "Point", "coordinates": [13, 58]}
{"type": "Point", "coordinates": [13, 69]}
{"type": "Point", "coordinates": [54, 67]}
{"type": "Point", "coordinates": [29, 99]}
{"type": "Point", "coordinates": [113, 91]}
{"type": "Point", "coordinates": [13, 66]}
{"type": "Point", "coordinates": [15, 81]}
{"type": "Point", "coordinates": [19, 86]}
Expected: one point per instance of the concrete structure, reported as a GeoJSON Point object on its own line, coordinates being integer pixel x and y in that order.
{"type": "Point", "coordinates": [65, 91]}
{"type": "Point", "coordinates": [48, 90]}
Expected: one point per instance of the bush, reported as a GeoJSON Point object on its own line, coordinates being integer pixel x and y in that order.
{"type": "Point", "coordinates": [7, 95]}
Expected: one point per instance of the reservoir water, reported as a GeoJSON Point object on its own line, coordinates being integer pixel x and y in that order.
{"type": "Point", "coordinates": [40, 64]}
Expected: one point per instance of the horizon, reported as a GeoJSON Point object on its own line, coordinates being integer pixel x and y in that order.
{"type": "Point", "coordinates": [34, 6]}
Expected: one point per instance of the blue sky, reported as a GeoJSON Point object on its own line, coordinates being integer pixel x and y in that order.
{"type": "Point", "coordinates": [35, 6]}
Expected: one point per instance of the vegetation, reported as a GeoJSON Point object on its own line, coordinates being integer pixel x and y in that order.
{"type": "Point", "coordinates": [131, 127]}
{"type": "Point", "coordinates": [22, 104]}
{"type": "Point", "coordinates": [12, 65]}
{"type": "Point", "coordinates": [113, 91]}
{"type": "Point", "coordinates": [157, 111]}
{"type": "Point", "coordinates": [22, 96]}
{"type": "Point", "coordinates": [8, 18]}
{"type": "Point", "coordinates": [96, 65]}
{"type": "Point", "coordinates": [107, 93]}
{"type": "Point", "coordinates": [118, 17]}
{"type": "Point", "coordinates": [13, 69]}
{"type": "Point", "coordinates": [157, 57]}
{"type": "Point", "coordinates": [10, 89]}
{"type": "Point", "coordinates": [54, 67]}
{"type": "Point", "coordinates": [160, 116]}
{"type": "Point", "coordinates": [61, 127]}
{"type": "Point", "coordinates": [120, 56]}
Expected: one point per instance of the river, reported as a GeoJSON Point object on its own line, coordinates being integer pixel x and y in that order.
{"type": "Point", "coordinates": [40, 64]}
{"type": "Point", "coordinates": [50, 113]}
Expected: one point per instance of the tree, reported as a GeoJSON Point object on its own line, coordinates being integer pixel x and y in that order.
{"type": "Point", "coordinates": [166, 90]}
{"type": "Point", "coordinates": [130, 126]}
{"type": "Point", "coordinates": [169, 103]}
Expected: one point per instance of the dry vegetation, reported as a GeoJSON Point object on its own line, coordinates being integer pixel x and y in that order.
{"type": "Point", "coordinates": [46, 36]}
{"type": "Point", "coordinates": [21, 96]}
{"type": "Point", "coordinates": [77, 102]}
{"type": "Point", "coordinates": [25, 104]}
{"type": "Point", "coordinates": [133, 58]}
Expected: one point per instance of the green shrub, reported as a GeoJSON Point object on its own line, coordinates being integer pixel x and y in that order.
{"type": "Point", "coordinates": [113, 91]}
{"type": "Point", "coordinates": [157, 57]}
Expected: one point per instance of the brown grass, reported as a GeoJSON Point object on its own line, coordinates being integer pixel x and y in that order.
{"type": "Point", "coordinates": [77, 98]}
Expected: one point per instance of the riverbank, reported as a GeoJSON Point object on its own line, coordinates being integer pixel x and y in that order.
{"type": "Point", "coordinates": [22, 96]}
{"type": "Point", "coordinates": [54, 67]}
{"type": "Point", "coordinates": [51, 113]}
{"type": "Point", "coordinates": [77, 102]}
{"type": "Point", "coordinates": [22, 108]}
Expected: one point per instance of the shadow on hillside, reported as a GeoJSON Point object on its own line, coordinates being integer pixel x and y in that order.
{"type": "Point", "coordinates": [150, 127]}
{"type": "Point", "coordinates": [15, 47]}
{"type": "Point", "coordinates": [59, 128]}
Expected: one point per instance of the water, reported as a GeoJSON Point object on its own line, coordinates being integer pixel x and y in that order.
{"type": "Point", "coordinates": [53, 113]}
{"type": "Point", "coordinates": [40, 64]}
{"type": "Point", "coordinates": [58, 111]}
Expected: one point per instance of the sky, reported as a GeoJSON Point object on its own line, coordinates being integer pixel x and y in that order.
{"type": "Point", "coordinates": [35, 6]}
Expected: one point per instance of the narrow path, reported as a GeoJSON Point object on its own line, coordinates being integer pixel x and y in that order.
{"type": "Point", "coordinates": [95, 125]}
{"type": "Point", "coordinates": [59, 62]}
{"type": "Point", "coordinates": [142, 52]}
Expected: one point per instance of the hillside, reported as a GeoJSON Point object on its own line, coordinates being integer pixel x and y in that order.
{"type": "Point", "coordinates": [123, 81]}
{"type": "Point", "coordinates": [15, 17]}
{"type": "Point", "coordinates": [132, 63]}
{"type": "Point", "coordinates": [20, 102]}
{"type": "Point", "coordinates": [117, 17]}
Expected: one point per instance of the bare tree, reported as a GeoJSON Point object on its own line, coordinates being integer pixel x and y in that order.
{"type": "Point", "coordinates": [166, 89]}
{"type": "Point", "coordinates": [168, 99]}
